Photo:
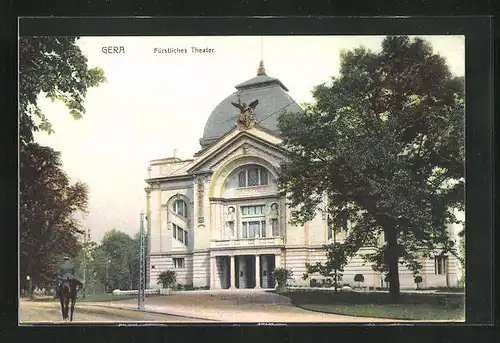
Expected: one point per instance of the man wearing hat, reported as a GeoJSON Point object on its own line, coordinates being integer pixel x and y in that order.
{"type": "Point", "coordinates": [66, 271]}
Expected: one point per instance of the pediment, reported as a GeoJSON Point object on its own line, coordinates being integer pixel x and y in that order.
{"type": "Point", "coordinates": [253, 142]}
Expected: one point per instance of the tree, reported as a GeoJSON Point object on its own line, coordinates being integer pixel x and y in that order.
{"type": "Point", "coordinates": [48, 202]}
{"type": "Point", "coordinates": [123, 253]}
{"type": "Point", "coordinates": [334, 267]}
{"type": "Point", "coordinates": [86, 265]}
{"type": "Point", "coordinates": [384, 143]}
{"type": "Point", "coordinates": [56, 67]}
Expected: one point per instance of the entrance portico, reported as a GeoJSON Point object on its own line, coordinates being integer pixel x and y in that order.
{"type": "Point", "coordinates": [243, 271]}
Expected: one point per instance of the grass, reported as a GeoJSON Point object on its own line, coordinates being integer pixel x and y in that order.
{"type": "Point", "coordinates": [390, 311]}
{"type": "Point", "coordinates": [380, 305]}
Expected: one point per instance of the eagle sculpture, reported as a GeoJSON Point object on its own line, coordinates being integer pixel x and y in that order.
{"type": "Point", "coordinates": [246, 119]}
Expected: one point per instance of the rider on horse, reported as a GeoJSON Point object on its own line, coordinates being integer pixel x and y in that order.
{"type": "Point", "coordinates": [66, 271]}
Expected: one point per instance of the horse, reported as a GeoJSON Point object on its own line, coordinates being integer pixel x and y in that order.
{"type": "Point", "coordinates": [67, 293]}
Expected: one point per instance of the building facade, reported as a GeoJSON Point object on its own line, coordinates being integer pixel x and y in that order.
{"type": "Point", "coordinates": [218, 219]}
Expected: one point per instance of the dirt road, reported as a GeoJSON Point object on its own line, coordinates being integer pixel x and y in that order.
{"type": "Point", "coordinates": [50, 313]}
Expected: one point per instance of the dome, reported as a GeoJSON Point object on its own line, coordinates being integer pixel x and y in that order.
{"type": "Point", "coordinates": [273, 100]}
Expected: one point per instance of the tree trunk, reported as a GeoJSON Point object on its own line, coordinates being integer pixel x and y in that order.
{"type": "Point", "coordinates": [392, 257]}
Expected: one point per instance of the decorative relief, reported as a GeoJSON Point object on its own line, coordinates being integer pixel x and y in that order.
{"type": "Point", "coordinates": [225, 172]}
{"type": "Point", "coordinates": [200, 181]}
{"type": "Point", "coordinates": [244, 148]}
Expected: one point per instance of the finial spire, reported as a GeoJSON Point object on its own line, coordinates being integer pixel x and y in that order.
{"type": "Point", "coordinates": [261, 70]}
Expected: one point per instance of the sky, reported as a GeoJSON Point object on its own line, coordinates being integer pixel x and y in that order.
{"type": "Point", "coordinates": [153, 103]}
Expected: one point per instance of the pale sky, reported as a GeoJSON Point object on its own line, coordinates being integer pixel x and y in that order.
{"type": "Point", "coordinates": [153, 103]}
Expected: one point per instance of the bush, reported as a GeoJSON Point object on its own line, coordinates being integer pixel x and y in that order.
{"type": "Point", "coordinates": [359, 278]}
{"type": "Point", "coordinates": [282, 275]}
{"type": "Point", "coordinates": [418, 280]}
{"type": "Point", "coordinates": [313, 283]}
{"type": "Point", "coordinates": [167, 278]}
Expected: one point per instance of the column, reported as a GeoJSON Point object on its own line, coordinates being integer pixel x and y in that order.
{"type": "Point", "coordinates": [232, 274]}
{"type": "Point", "coordinates": [257, 271]}
{"type": "Point", "coordinates": [213, 272]}
{"type": "Point", "coordinates": [277, 261]}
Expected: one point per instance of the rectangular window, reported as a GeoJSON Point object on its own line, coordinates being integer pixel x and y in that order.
{"type": "Point", "coordinates": [180, 234]}
{"type": "Point", "coordinates": [275, 227]}
{"type": "Point", "coordinates": [440, 265]}
{"type": "Point", "coordinates": [253, 177]}
{"type": "Point", "coordinates": [244, 230]}
{"type": "Point", "coordinates": [330, 232]}
{"type": "Point", "coordinates": [253, 229]}
{"type": "Point", "coordinates": [252, 210]}
{"type": "Point", "coordinates": [178, 263]}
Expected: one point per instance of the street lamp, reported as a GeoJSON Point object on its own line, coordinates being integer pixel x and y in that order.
{"type": "Point", "coordinates": [28, 278]}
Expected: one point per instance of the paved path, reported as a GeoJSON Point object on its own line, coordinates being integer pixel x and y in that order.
{"type": "Point", "coordinates": [191, 307]}
{"type": "Point", "coordinates": [33, 312]}
{"type": "Point", "coordinates": [237, 307]}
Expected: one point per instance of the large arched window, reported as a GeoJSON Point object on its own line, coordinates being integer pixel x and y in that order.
{"type": "Point", "coordinates": [180, 208]}
{"type": "Point", "coordinates": [253, 176]}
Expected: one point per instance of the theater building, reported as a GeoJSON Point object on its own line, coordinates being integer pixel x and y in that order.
{"type": "Point", "coordinates": [218, 220]}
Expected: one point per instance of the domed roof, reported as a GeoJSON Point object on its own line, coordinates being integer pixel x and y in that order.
{"type": "Point", "coordinates": [273, 100]}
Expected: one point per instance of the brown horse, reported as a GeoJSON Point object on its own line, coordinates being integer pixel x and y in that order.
{"type": "Point", "coordinates": [67, 293]}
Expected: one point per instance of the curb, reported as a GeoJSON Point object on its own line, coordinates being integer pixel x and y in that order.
{"type": "Point", "coordinates": [395, 320]}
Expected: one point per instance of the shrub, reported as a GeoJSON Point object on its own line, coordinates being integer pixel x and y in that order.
{"type": "Point", "coordinates": [282, 275]}
{"type": "Point", "coordinates": [359, 278]}
{"type": "Point", "coordinates": [167, 278]}
{"type": "Point", "coordinates": [313, 283]}
{"type": "Point", "coordinates": [418, 280]}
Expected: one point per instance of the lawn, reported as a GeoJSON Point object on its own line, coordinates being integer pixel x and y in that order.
{"type": "Point", "coordinates": [379, 305]}
{"type": "Point", "coordinates": [392, 311]}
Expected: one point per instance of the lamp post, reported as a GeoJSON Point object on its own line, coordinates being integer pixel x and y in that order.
{"type": "Point", "coordinates": [141, 298]}
{"type": "Point", "coordinates": [28, 278]}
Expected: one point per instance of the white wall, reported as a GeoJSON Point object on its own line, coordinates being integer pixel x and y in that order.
{"type": "Point", "coordinates": [165, 262]}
